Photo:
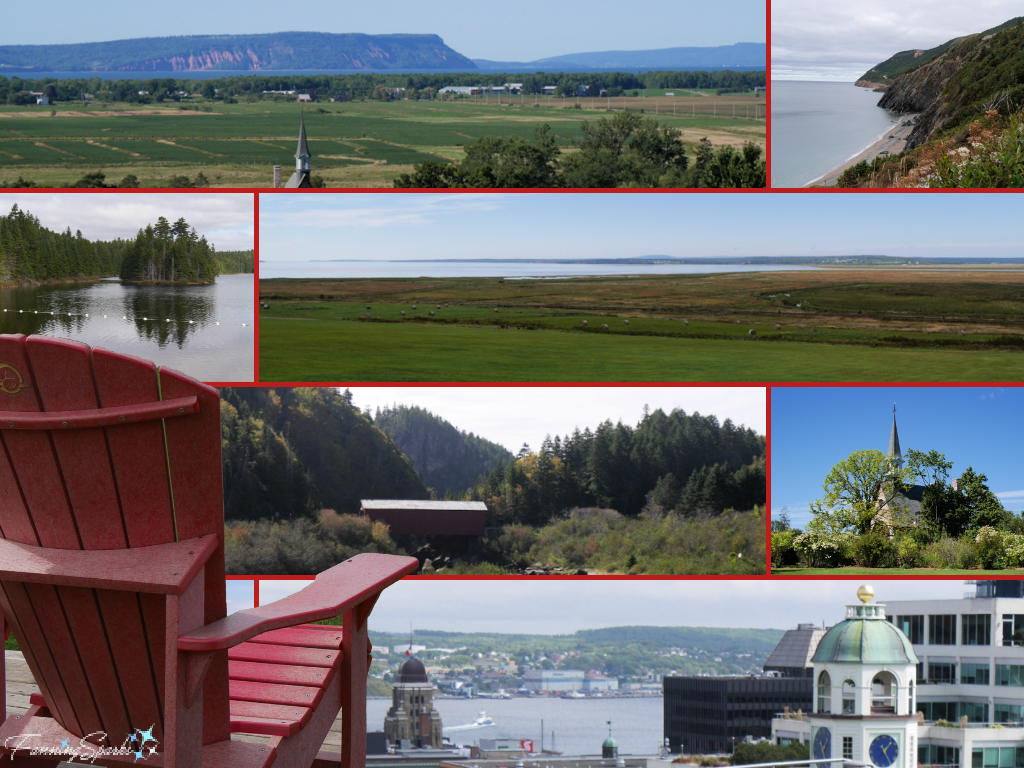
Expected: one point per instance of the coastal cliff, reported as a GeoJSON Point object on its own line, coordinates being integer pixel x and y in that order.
{"type": "Point", "coordinates": [976, 74]}
{"type": "Point", "coordinates": [871, 85]}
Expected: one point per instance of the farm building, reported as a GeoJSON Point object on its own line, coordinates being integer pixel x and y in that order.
{"type": "Point", "coordinates": [428, 518]}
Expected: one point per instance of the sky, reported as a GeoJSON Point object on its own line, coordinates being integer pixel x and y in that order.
{"type": "Point", "coordinates": [513, 415]}
{"type": "Point", "coordinates": [814, 428]}
{"type": "Point", "coordinates": [226, 219]}
{"type": "Point", "coordinates": [389, 226]}
{"type": "Point", "coordinates": [814, 40]}
{"type": "Point", "coordinates": [527, 30]}
{"type": "Point", "coordinates": [564, 606]}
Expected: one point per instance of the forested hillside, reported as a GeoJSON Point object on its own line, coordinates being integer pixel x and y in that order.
{"type": "Point", "coordinates": [297, 449]}
{"type": "Point", "coordinates": [236, 262]}
{"type": "Point", "coordinates": [279, 50]}
{"type": "Point", "coordinates": [29, 250]}
{"type": "Point", "coordinates": [448, 460]}
{"type": "Point", "coordinates": [688, 463]}
{"type": "Point", "coordinates": [169, 253]}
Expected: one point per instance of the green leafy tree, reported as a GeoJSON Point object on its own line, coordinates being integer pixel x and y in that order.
{"type": "Point", "coordinates": [852, 487]}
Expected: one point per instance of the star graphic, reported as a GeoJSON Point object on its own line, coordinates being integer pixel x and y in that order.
{"type": "Point", "coordinates": [64, 744]}
{"type": "Point", "coordinates": [139, 756]}
{"type": "Point", "coordinates": [146, 735]}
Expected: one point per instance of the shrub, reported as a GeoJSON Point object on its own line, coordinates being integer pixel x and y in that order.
{"type": "Point", "coordinates": [959, 554]}
{"type": "Point", "coordinates": [766, 752]}
{"type": "Point", "coordinates": [1013, 550]}
{"type": "Point", "coordinates": [823, 550]}
{"type": "Point", "coordinates": [783, 551]}
{"type": "Point", "coordinates": [990, 548]}
{"type": "Point", "coordinates": [908, 552]}
{"type": "Point", "coordinates": [874, 550]}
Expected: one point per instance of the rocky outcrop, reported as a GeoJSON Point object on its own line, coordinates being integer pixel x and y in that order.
{"type": "Point", "coordinates": [921, 91]}
{"type": "Point", "coordinates": [871, 85]}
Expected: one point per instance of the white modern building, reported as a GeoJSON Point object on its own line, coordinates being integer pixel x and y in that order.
{"type": "Point", "coordinates": [965, 694]}
{"type": "Point", "coordinates": [553, 680]}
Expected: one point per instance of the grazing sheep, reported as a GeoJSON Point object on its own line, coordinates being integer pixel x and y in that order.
{"type": "Point", "coordinates": [737, 322]}
{"type": "Point", "coordinates": [584, 323]}
{"type": "Point", "coordinates": [402, 314]}
{"type": "Point", "coordinates": [369, 307]}
{"type": "Point", "coordinates": [367, 315]}
{"type": "Point", "coordinates": [625, 322]}
{"type": "Point", "coordinates": [438, 306]}
{"type": "Point", "coordinates": [431, 314]}
{"type": "Point", "coordinates": [604, 327]}
{"type": "Point", "coordinates": [446, 305]}
{"type": "Point", "coordinates": [686, 322]}
{"type": "Point", "coordinates": [962, 333]}
{"type": "Point", "coordinates": [414, 306]}
{"type": "Point", "coordinates": [801, 327]}
{"type": "Point", "coordinates": [751, 332]}
{"type": "Point", "coordinates": [778, 327]}
{"type": "Point", "coordinates": [495, 311]}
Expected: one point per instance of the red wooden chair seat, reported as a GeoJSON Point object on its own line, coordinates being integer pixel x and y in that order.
{"type": "Point", "coordinates": [112, 579]}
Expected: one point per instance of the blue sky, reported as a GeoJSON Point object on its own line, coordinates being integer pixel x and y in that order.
{"type": "Point", "coordinates": [524, 31]}
{"type": "Point", "coordinates": [579, 225]}
{"type": "Point", "coordinates": [814, 428]}
{"type": "Point", "coordinates": [563, 606]}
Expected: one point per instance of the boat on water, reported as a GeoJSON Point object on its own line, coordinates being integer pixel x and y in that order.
{"type": "Point", "coordinates": [482, 721]}
{"type": "Point", "coordinates": [573, 695]}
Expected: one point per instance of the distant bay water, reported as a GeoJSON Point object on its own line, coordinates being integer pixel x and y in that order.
{"type": "Point", "coordinates": [212, 74]}
{"type": "Point", "coordinates": [374, 269]}
{"type": "Point", "coordinates": [816, 126]}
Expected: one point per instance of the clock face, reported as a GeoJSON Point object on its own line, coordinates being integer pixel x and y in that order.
{"type": "Point", "coordinates": [823, 744]}
{"type": "Point", "coordinates": [883, 751]}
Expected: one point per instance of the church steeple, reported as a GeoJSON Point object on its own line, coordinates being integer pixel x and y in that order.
{"type": "Point", "coordinates": [894, 455]}
{"type": "Point", "coordinates": [302, 153]}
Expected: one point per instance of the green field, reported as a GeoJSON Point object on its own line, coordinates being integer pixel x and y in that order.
{"type": "Point", "coordinates": [360, 143]}
{"type": "Point", "coordinates": [912, 572]}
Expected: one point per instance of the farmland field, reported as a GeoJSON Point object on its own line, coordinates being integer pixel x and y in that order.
{"type": "Point", "coordinates": [666, 328]}
{"type": "Point", "coordinates": [354, 144]}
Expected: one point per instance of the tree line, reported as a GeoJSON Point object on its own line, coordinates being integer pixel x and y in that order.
{"type": "Point", "coordinates": [14, 90]}
{"type": "Point", "coordinates": [236, 262]}
{"type": "Point", "coordinates": [626, 150]}
{"type": "Point", "coordinates": [687, 463]}
{"type": "Point", "coordinates": [168, 252]}
{"type": "Point", "coordinates": [30, 250]}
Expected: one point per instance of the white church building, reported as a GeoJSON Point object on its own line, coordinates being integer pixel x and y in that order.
{"type": "Point", "coordinates": [920, 683]}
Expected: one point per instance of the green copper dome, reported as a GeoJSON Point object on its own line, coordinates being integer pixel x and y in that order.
{"type": "Point", "coordinates": [610, 742]}
{"type": "Point", "coordinates": [861, 640]}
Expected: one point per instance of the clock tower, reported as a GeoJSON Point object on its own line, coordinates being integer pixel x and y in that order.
{"type": "Point", "coordinates": [864, 698]}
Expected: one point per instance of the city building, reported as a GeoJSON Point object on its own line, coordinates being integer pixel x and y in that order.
{"type": "Point", "coordinates": [412, 720]}
{"type": "Point", "coordinates": [965, 689]}
{"type": "Point", "coordinates": [707, 715]}
{"type": "Point", "coordinates": [553, 680]}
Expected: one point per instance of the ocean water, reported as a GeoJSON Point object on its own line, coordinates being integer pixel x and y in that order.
{"type": "Point", "coordinates": [817, 126]}
{"type": "Point", "coordinates": [513, 270]}
{"type": "Point", "coordinates": [579, 725]}
{"type": "Point", "coordinates": [202, 349]}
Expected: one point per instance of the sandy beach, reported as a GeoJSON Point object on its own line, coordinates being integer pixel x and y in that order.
{"type": "Point", "coordinates": [893, 142]}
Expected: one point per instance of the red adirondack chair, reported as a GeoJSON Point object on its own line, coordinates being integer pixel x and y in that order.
{"type": "Point", "coordinates": [112, 581]}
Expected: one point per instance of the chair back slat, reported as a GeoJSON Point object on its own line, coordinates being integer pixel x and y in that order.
{"type": "Point", "coordinates": [99, 655]}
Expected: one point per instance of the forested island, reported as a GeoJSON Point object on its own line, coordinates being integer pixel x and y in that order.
{"type": "Point", "coordinates": [169, 253]}
{"type": "Point", "coordinates": [236, 262]}
{"type": "Point", "coordinates": [297, 461]}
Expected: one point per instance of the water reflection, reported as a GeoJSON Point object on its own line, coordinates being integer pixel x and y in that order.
{"type": "Point", "coordinates": [146, 319]}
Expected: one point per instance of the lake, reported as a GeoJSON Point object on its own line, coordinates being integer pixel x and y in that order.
{"type": "Point", "coordinates": [580, 725]}
{"type": "Point", "coordinates": [200, 348]}
{"type": "Point", "coordinates": [817, 126]}
{"type": "Point", "coordinates": [373, 269]}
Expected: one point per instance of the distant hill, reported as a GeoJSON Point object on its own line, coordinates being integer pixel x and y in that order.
{"type": "Point", "coordinates": [446, 458]}
{"type": "Point", "coordinates": [279, 50]}
{"type": "Point", "coordinates": [905, 61]}
{"type": "Point", "coordinates": [293, 449]}
{"type": "Point", "coordinates": [737, 56]}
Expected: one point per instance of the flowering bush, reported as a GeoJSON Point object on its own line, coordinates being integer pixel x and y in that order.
{"type": "Point", "coordinates": [990, 547]}
{"type": "Point", "coordinates": [824, 550]}
{"type": "Point", "coordinates": [1013, 549]}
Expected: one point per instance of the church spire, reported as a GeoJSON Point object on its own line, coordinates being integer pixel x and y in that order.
{"type": "Point", "coordinates": [894, 454]}
{"type": "Point", "coordinates": [302, 153]}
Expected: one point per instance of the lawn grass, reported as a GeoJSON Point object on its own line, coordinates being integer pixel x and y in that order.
{"type": "Point", "coordinates": [910, 572]}
{"type": "Point", "coordinates": [353, 144]}
{"type": "Point", "coordinates": [680, 328]}
{"type": "Point", "coordinates": [328, 351]}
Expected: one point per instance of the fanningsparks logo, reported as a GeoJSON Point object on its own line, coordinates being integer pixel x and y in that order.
{"type": "Point", "coordinates": [140, 744]}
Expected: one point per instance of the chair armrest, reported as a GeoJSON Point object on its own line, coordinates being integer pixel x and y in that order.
{"type": "Point", "coordinates": [100, 417]}
{"type": "Point", "coordinates": [334, 592]}
{"type": "Point", "coordinates": [165, 569]}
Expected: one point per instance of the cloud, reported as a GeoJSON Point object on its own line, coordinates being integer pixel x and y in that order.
{"type": "Point", "coordinates": [841, 41]}
{"type": "Point", "coordinates": [226, 219]}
